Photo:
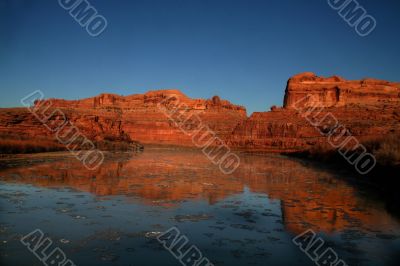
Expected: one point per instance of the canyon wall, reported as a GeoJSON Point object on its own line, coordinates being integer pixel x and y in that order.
{"type": "Point", "coordinates": [336, 91]}
{"type": "Point", "coordinates": [368, 108]}
{"type": "Point", "coordinates": [286, 130]}
{"type": "Point", "coordinates": [138, 117]}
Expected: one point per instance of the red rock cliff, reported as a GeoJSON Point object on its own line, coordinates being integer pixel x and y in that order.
{"type": "Point", "coordinates": [336, 91]}
{"type": "Point", "coordinates": [137, 116]}
{"type": "Point", "coordinates": [368, 108]}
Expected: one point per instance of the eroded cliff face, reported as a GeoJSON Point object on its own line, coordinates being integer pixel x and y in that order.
{"type": "Point", "coordinates": [138, 117]}
{"type": "Point", "coordinates": [336, 91]}
{"type": "Point", "coordinates": [367, 108]}
{"type": "Point", "coordinates": [286, 130]}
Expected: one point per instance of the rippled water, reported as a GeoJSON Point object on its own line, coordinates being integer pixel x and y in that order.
{"type": "Point", "coordinates": [112, 216]}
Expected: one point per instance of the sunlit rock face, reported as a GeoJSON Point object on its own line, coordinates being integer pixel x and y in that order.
{"type": "Point", "coordinates": [368, 108]}
{"type": "Point", "coordinates": [287, 130]}
{"type": "Point", "coordinates": [138, 116]}
{"type": "Point", "coordinates": [336, 91]}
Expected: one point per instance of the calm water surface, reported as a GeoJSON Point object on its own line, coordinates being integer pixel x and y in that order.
{"type": "Point", "coordinates": [111, 216]}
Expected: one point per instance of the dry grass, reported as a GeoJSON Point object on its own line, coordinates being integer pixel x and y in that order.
{"type": "Point", "coordinates": [106, 145]}
{"type": "Point", "coordinates": [386, 149]}
{"type": "Point", "coordinates": [8, 146]}
{"type": "Point", "coordinates": [322, 151]}
{"type": "Point", "coordinates": [24, 144]}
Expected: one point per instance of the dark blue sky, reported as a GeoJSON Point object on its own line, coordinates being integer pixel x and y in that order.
{"type": "Point", "coordinates": [243, 51]}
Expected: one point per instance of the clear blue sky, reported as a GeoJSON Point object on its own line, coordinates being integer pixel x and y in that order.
{"type": "Point", "coordinates": [242, 50]}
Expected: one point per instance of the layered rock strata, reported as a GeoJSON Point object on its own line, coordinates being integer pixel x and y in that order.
{"type": "Point", "coordinates": [368, 108]}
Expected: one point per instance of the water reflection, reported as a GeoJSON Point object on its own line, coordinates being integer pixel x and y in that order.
{"type": "Point", "coordinates": [309, 197]}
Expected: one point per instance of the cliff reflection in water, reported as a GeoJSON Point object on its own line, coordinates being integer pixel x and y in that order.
{"type": "Point", "coordinates": [310, 197]}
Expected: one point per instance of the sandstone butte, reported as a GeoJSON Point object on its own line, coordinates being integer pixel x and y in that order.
{"type": "Point", "coordinates": [368, 108]}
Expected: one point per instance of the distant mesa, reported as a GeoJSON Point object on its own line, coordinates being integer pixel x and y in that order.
{"type": "Point", "coordinates": [336, 91]}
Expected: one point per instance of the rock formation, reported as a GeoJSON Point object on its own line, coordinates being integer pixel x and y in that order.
{"type": "Point", "coordinates": [137, 117]}
{"type": "Point", "coordinates": [368, 108]}
{"type": "Point", "coordinates": [336, 91]}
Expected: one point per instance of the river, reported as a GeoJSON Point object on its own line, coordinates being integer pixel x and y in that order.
{"type": "Point", "coordinates": [113, 215]}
